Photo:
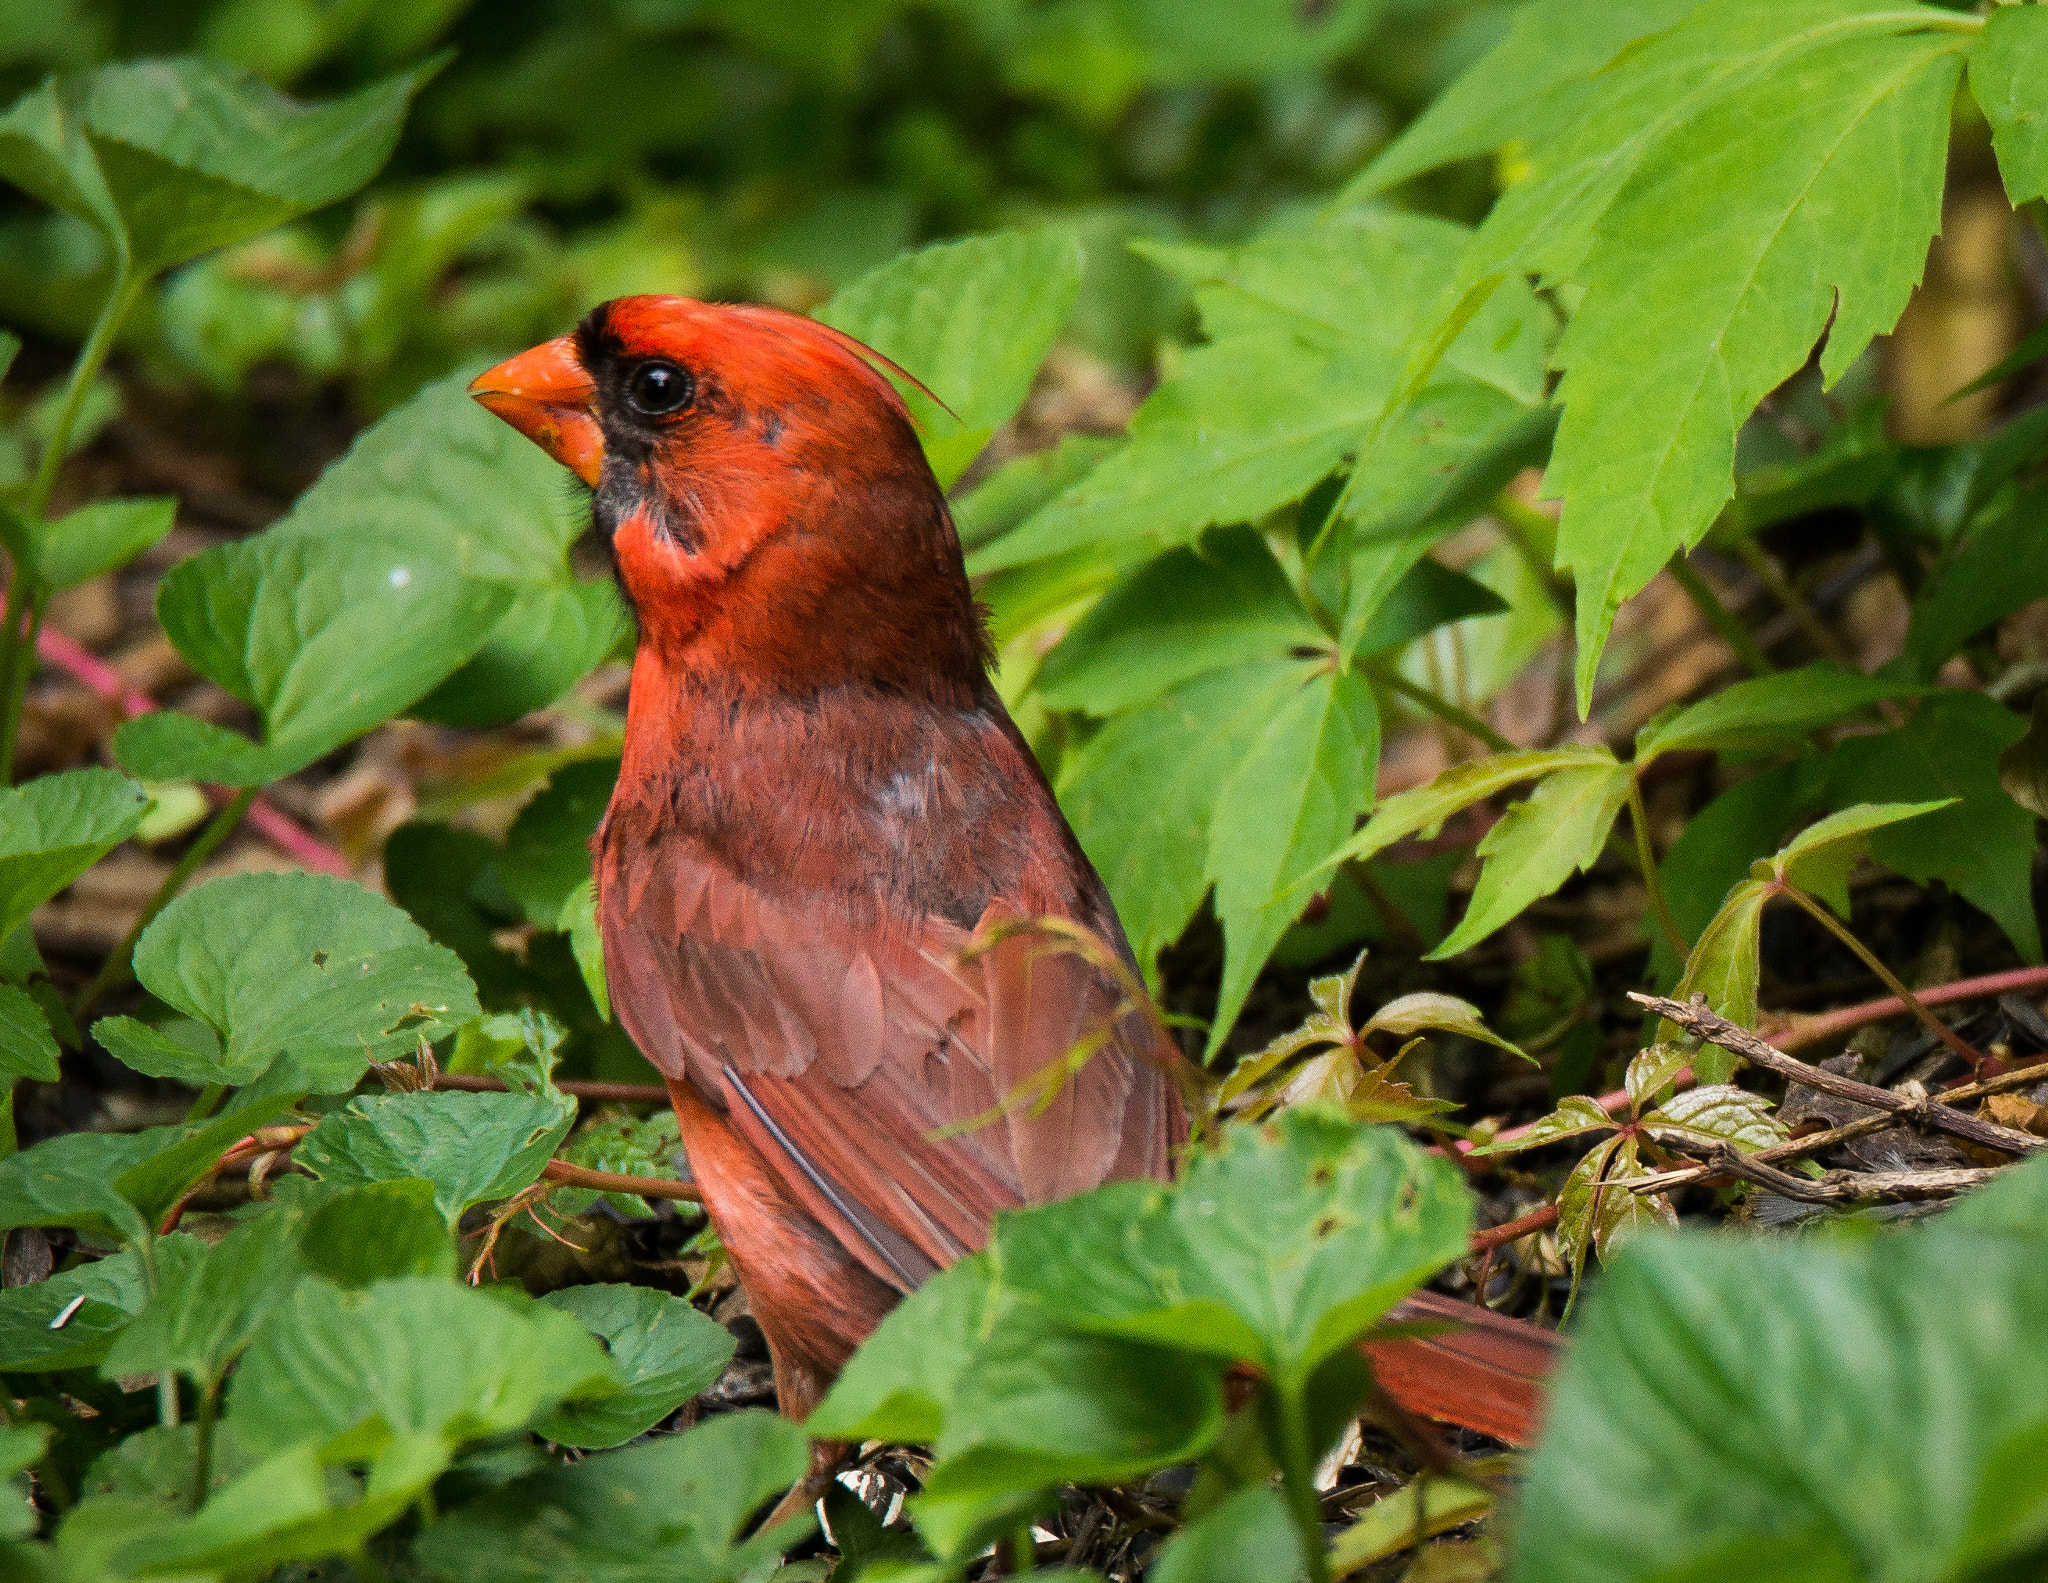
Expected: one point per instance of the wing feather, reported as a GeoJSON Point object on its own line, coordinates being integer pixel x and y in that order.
{"type": "Point", "coordinates": [841, 1055]}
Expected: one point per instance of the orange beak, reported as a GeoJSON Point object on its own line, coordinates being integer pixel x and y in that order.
{"type": "Point", "coordinates": [547, 395]}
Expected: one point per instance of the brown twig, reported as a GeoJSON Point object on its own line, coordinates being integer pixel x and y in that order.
{"type": "Point", "coordinates": [1852, 1187]}
{"type": "Point", "coordinates": [1699, 1020]}
{"type": "Point", "coordinates": [1820, 1142]}
{"type": "Point", "coordinates": [621, 1093]}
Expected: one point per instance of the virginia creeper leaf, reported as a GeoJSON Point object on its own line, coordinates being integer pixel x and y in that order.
{"type": "Point", "coordinates": [2009, 80]}
{"type": "Point", "coordinates": [1538, 844]}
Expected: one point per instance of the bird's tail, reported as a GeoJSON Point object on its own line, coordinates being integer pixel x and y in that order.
{"type": "Point", "coordinates": [1487, 1374]}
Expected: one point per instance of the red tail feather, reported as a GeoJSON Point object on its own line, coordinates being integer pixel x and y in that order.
{"type": "Point", "coordinates": [1489, 1374]}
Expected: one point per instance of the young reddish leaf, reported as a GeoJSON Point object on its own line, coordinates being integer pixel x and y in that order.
{"type": "Point", "coordinates": [1575, 1116]}
{"type": "Point", "coordinates": [1651, 1070]}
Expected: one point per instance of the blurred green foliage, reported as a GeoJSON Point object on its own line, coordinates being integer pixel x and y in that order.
{"type": "Point", "coordinates": [575, 150]}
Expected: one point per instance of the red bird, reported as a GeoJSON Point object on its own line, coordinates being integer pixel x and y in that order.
{"type": "Point", "coordinates": [822, 801]}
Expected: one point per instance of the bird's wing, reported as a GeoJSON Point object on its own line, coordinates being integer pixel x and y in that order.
{"type": "Point", "coordinates": [845, 1056]}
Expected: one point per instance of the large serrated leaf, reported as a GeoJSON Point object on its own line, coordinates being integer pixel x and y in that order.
{"type": "Point", "coordinates": [1834, 155]}
{"type": "Point", "coordinates": [2009, 80]}
{"type": "Point", "coordinates": [971, 321]}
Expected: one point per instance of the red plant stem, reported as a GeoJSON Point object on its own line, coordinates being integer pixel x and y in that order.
{"type": "Point", "coordinates": [1799, 1033]}
{"type": "Point", "coordinates": [269, 821]}
{"type": "Point", "coordinates": [612, 1182]}
{"type": "Point", "coordinates": [1514, 1230]}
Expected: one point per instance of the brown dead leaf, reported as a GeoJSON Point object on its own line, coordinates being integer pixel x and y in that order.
{"type": "Point", "coordinates": [2017, 1112]}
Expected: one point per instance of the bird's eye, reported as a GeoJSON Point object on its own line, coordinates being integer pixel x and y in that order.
{"type": "Point", "coordinates": [656, 389]}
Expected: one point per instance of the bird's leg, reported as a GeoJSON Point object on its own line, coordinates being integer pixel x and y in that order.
{"type": "Point", "coordinates": [799, 1386]}
{"type": "Point", "coordinates": [827, 1458]}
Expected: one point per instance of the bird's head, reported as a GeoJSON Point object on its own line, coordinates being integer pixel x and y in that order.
{"type": "Point", "coordinates": [769, 510]}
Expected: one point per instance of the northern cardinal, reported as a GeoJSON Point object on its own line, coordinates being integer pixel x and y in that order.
{"type": "Point", "coordinates": [823, 815]}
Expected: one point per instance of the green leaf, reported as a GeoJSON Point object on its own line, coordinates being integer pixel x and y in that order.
{"type": "Point", "coordinates": [1250, 1538]}
{"type": "Point", "coordinates": [1983, 847]}
{"type": "Point", "coordinates": [1763, 712]}
{"type": "Point", "coordinates": [1714, 852]}
{"type": "Point", "coordinates": [117, 1185]}
{"type": "Point", "coordinates": [196, 154]}
{"type": "Point", "coordinates": [674, 1508]}
{"type": "Point", "coordinates": [1210, 447]}
{"type": "Point", "coordinates": [410, 1357]}
{"type": "Point", "coordinates": [1222, 602]}
{"type": "Point", "coordinates": [472, 1147]}
{"type": "Point", "coordinates": [1013, 1401]}
{"type": "Point", "coordinates": [2009, 80]}
{"type": "Point", "coordinates": [972, 320]}
{"type": "Point", "coordinates": [477, 496]}
{"type": "Point", "coordinates": [1707, 1419]}
{"type": "Point", "coordinates": [1020, 486]}
{"type": "Point", "coordinates": [1142, 792]}
{"type": "Point", "coordinates": [325, 638]}
{"type": "Point", "coordinates": [375, 1232]}
{"type": "Point", "coordinates": [1279, 1247]}
{"type": "Point", "coordinates": [1700, 183]}
{"type": "Point", "coordinates": [1643, 479]}
{"type": "Point", "coordinates": [1423, 810]}
{"type": "Point", "coordinates": [1538, 844]}
{"type": "Point", "coordinates": [547, 850]}
{"type": "Point", "coordinates": [31, 1339]}
{"type": "Point", "coordinates": [665, 1351]}
{"type": "Point", "coordinates": [1995, 572]}
{"type": "Point", "coordinates": [1293, 797]}
{"type": "Point", "coordinates": [1725, 966]}
{"type": "Point", "coordinates": [1429, 595]}
{"type": "Point", "coordinates": [206, 1310]}
{"type": "Point", "coordinates": [44, 151]}
{"type": "Point", "coordinates": [303, 964]}
{"type": "Point", "coordinates": [1819, 859]}
{"type": "Point", "coordinates": [94, 539]}
{"type": "Point", "coordinates": [578, 919]}
{"type": "Point", "coordinates": [1323, 313]}
{"type": "Point", "coordinates": [55, 828]}
{"type": "Point", "coordinates": [1523, 89]}
{"type": "Point", "coordinates": [27, 1047]}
